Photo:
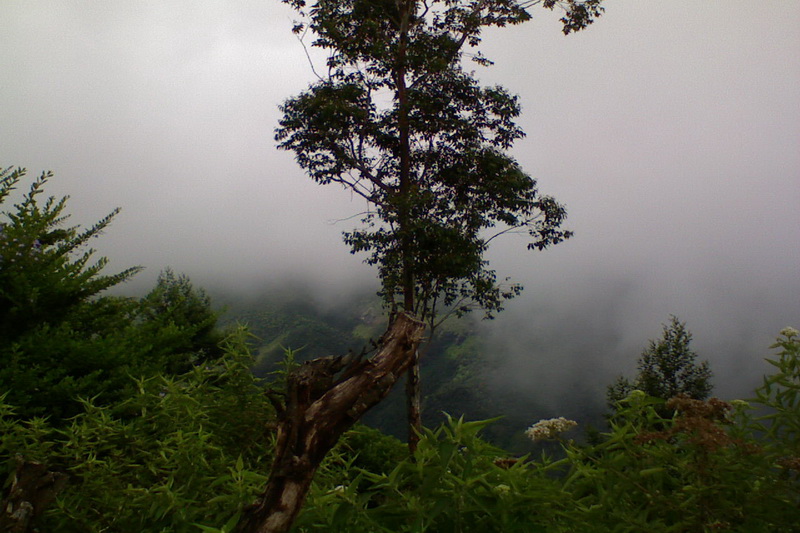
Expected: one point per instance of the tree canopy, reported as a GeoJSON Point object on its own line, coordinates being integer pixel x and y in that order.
{"type": "Point", "coordinates": [400, 121]}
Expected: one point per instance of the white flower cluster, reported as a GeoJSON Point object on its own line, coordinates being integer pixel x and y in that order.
{"type": "Point", "coordinates": [790, 332]}
{"type": "Point", "coordinates": [549, 429]}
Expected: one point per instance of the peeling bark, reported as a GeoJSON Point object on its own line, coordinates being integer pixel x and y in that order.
{"type": "Point", "coordinates": [33, 488]}
{"type": "Point", "coordinates": [324, 398]}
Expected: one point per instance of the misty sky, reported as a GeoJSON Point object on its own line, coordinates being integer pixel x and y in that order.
{"type": "Point", "coordinates": [671, 130]}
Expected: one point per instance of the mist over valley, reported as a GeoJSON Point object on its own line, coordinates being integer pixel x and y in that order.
{"type": "Point", "coordinates": [671, 135]}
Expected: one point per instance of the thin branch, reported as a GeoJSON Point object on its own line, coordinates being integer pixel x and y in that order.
{"type": "Point", "coordinates": [337, 220]}
{"type": "Point", "coordinates": [425, 12]}
{"type": "Point", "coordinates": [353, 184]}
{"type": "Point", "coordinates": [513, 229]}
{"type": "Point", "coordinates": [308, 56]}
{"type": "Point", "coordinates": [458, 304]}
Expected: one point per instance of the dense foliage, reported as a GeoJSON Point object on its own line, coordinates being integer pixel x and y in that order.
{"type": "Point", "coordinates": [155, 420]}
{"type": "Point", "coordinates": [187, 453]}
{"type": "Point", "coordinates": [713, 466]}
{"type": "Point", "coordinates": [147, 408]}
{"type": "Point", "coordinates": [61, 339]}
{"type": "Point", "coordinates": [180, 450]}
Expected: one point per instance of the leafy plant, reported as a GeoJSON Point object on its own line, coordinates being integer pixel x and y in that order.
{"type": "Point", "coordinates": [182, 450]}
{"type": "Point", "coordinates": [781, 390]}
{"type": "Point", "coordinates": [698, 471]}
{"type": "Point", "coordinates": [61, 338]}
{"type": "Point", "coordinates": [456, 482]}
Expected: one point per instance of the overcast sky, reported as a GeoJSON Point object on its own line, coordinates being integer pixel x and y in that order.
{"type": "Point", "coordinates": [671, 130]}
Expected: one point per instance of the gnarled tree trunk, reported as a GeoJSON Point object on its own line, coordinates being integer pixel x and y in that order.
{"type": "Point", "coordinates": [33, 488]}
{"type": "Point", "coordinates": [324, 398]}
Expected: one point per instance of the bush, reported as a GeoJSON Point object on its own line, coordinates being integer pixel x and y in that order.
{"type": "Point", "coordinates": [182, 450]}
{"type": "Point", "coordinates": [456, 482]}
{"type": "Point", "coordinates": [709, 467]}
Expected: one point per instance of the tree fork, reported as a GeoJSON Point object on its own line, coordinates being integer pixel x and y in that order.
{"type": "Point", "coordinates": [325, 397]}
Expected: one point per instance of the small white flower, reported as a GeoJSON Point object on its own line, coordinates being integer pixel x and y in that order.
{"type": "Point", "coordinates": [789, 332]}
{"type": "Point", "coordinates": [549, 429]}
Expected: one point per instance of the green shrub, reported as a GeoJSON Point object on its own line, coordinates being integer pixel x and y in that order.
{"type": "Point", "coordinates": [710, 467]}
{"type": "Point", "coordinates": [182, 450]}
{"type": "Point", "coordinates": [456, 482]}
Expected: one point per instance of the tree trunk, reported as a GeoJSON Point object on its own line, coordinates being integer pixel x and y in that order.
{"type": "Point", "coordinates": [324, 398]}
{"type": "Point", "coordinates": [33, 488]}
{"type": "Point", "coordinates": [407, 8]}
{"type": "Point", "coordinates": [404, 133]}
{"type": "Point", "coordinates": [413, 404]}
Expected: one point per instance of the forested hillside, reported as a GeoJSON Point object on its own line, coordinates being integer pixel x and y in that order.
{"type": "Point", "coordinates": [142, 414]}
{"type": "Point", "coordinates": [455, 366]}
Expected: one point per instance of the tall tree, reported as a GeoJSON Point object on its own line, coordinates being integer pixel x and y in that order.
{"type": "Point", "coordinates": [399, 121]}
{"type": "Point", "coordinates": [668, 367]}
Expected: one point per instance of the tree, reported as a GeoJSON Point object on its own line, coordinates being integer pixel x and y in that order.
{"type": "Point", "coordinates": [667, 368]}
{"type": "Point", "coordinates": [61, 338]}
{"type": "Point", "coordinates": [399, 121]}
{"type": "Point", "coordinates": [49, 304]}
{"type": "Point", "coordinates": [180, 316]}
{"type": "Point", "coordinates": [45, 269]}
